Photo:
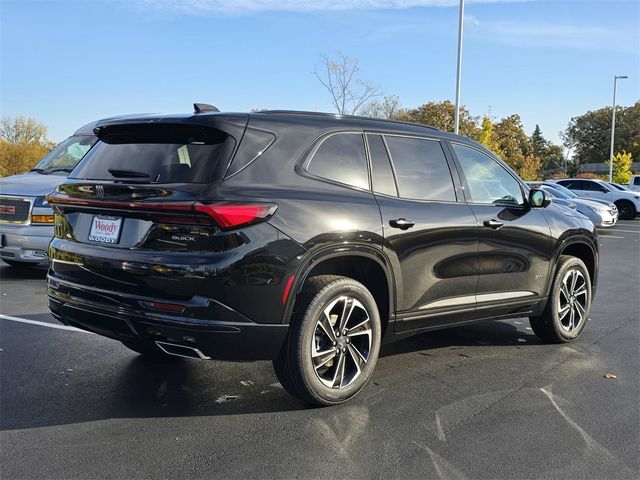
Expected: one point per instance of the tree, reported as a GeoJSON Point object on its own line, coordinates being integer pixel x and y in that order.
{"type": "Point", "coordinates": [590, 133]}
{"type": "Point", "coordinates": [23, 143]}
{"type": "Point", "coordinates": [527, 166]}
{"type": "Point", "coordinates": [441, 115]}
{"type": "Point", "coordinates": [388, 108]}
{"type": "Point", "coordinates": [622, 167]}
{"type": "Point", "coordinates": [539, 144]}
{"type": "Point", "coordinates": [22, 130]}
{"type": "Point", "coordinates": [511, 138]}
{"type": "Point", "coordinates": [486, 136]}
{"type": "Point", "coordinates": [339, 76]}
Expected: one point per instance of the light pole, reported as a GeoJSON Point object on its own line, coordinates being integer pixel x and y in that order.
{"type": "Point", "coordinates": [459, 72]}
{"type": "Point", "coordinates": [613, 124]}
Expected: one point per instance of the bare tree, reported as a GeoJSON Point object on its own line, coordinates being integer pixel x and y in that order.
{"type": "Point", "coordinates": [389, 108]}
{"type": "Point", "coordinates": [340, 77]}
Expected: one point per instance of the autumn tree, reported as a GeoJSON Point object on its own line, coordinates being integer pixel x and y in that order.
{"type": "Point", "coordinates": [340, 77]}
{"type": "Point", "coordinates": [487, 137]}
{"type": "Point", "coordinates": [23, 142]}
{"type": "Point", "coordinates": [441, 115]}
{"type": "Point", "coordinates": [622, 167]}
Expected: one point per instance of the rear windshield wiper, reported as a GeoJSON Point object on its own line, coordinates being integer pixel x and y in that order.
{"type": "Point", "coordinates": [116, 172]}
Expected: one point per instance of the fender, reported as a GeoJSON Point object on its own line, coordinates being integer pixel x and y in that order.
{"type": "Point", "coordinates": [578, 239]}
{"type": "Point", "coordinates": [313, 259]}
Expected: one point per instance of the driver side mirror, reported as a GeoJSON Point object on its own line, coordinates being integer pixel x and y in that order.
{"type": "Point", "coordinates": [538, 199]}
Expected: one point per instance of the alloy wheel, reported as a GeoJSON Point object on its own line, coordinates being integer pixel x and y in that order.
{"type": "Point", "coordinates": [573, 300]}
{"type": "Point", "coordinates": [342, 342]}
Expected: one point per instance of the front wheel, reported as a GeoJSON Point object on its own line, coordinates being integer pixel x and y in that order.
{"type": "Point", "coordinates": [333, 343]}
{"type": "Point", "coordinates": [569, 304]}
{"type": "Point", "coordinates": [626, 210]}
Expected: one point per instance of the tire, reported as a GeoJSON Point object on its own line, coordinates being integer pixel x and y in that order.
{"type": "Point", "coordinates": [626, 210]}
{"type": "Point", "coordinates": [567, 310]}
{"type": "Point", "coordinates": [319, 364]}
{"type": "Point", "coordinates": [150, 351]}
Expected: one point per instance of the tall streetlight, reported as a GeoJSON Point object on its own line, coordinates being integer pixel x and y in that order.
{"type": "Point", "coordinates": [456, 127]}
{"type": "Point", "coordinates": [613, 124]}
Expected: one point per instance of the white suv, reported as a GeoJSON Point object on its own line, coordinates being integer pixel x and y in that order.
{"type": "Point", "coordinates": [628, 203]}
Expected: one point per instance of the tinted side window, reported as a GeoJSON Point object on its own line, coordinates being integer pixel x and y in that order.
{"type": "Point", "coordinates": [421, 169]}
{"type": "Point", "coordinates": [341, 158]}
{"type": "Point", "coordinates": [636, 181]}
{"type": "Point", "coordinates": [381, 172]}
{"type": "Point", "coordinates": [488, 181]}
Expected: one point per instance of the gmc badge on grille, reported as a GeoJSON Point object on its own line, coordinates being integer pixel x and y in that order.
{"type": "Point", "coordinates": [7, 209]}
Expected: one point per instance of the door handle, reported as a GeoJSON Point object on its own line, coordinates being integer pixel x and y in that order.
{"type": "Point", "coordinates": [495, 224]}
{"type": "Point", "coordinates": [401, 223]}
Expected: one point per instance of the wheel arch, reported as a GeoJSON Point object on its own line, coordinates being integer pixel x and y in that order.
{"type": "Point", "coordinates": [367, 265]}
{"type": "Point", "coordinates": [585, 251]}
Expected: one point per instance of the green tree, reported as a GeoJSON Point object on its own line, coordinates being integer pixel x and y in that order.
{"type": "Point", "coordinates": [590, 133]}
{"type": "Point", "coordinates": [512, 140]}
{"type": "Point", "coordinates": [622, 167]}
{"type": "Point", "coordinates": [441, 115]}
{"type": "Point", "coordinates": [539, 144]}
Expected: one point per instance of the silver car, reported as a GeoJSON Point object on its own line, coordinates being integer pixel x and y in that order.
{"type": "Point", "coordinates": [601, 213]}
{"type": "Point", "coordinates": [26, 220]}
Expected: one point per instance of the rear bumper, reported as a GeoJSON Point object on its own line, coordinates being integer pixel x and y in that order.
{"type": "Point", "coordinates": [229, 336]}
{"type": "Point", "coordinates": [25, 243]}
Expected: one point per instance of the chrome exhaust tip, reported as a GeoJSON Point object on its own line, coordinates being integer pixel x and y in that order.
{"type": "Point", "coordinates": [181, 351]}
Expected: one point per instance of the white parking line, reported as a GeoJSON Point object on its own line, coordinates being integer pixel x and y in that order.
{"type": "Point", "coordinates": [602, 237]}
{"type": "Point", "coordinates": [42, 324]}
{"type": "Point", "coordinates": [626, 231]}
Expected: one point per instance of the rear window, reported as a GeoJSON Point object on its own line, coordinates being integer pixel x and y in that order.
{"type": "Point", "coordinates": [157, 154]}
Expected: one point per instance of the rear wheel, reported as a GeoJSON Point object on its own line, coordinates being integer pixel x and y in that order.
{"type": "Point", "coordinates": [626, 210]}
{"type": "Point", "coordinates": [568, 306]}
{"type": "Point", "coordinates": [333, 343]}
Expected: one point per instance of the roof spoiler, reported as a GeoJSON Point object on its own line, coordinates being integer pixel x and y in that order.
{"type": "Point", "coordinates": [204, 107]}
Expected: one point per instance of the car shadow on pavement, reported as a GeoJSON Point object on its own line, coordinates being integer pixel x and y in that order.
{"type": "Point", "coordinates": [122, 384]}
{"type": "Point", "coordinates": [22, 273]}
{"type": "Point", "coordinates": [489, 333]}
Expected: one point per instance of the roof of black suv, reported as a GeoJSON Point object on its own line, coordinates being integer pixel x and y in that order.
{"type": "Point", "coordinates": [329, 119]}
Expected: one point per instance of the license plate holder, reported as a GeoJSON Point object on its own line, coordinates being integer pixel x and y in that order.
{"type": "Point", "coordinates": [105, 229]}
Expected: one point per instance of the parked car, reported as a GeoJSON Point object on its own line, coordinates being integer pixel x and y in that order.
{"type": "Point", "coordinates": [628, 203]}
{"type": "Point", "coordinates": [26, 219]}
{"type": "Point", "coordinates": [634, 183]}
{"type": "Point", "coordinates": [308, 239]}
{"type": "Point", "coordinates": [624, 188]}
{"type": "Point", "coordinates": [601, 214]}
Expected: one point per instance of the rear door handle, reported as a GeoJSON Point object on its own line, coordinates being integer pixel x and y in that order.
{"type": "Point", "coordinates": [495, 224]}
{"type": "Point", "coordinates": [401, 223]}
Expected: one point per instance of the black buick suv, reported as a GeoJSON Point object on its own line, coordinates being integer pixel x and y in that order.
{"type": "Point", "coordinates": [307, 239]}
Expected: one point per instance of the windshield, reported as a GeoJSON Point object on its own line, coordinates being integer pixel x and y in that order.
{"type": "Point", "coordinates": [565, 190]}
{"type": "Point", "coordinates": [619, 187]}
{"type": "Point", "coordinates": [66, 155]}
{"type": "Point", "coordinates": [555, 192]}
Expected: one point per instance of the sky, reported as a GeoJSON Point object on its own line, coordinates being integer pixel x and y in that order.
{"type": "Point", "coordinates": [67, 63]}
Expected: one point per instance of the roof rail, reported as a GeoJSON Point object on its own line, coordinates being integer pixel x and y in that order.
{"type": "Point", "coordinates": [204, 107]}
{"type": "Point", "coordinates": [358, 117]}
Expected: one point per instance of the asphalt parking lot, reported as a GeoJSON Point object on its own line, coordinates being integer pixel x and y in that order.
{"type": "Point", "coordinates": [485, 401]}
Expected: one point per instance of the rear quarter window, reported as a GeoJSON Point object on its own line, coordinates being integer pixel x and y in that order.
{"type": "Point", "coordinates": [158, 154]}
{"type": "Point", "coordinates": [341, 157]}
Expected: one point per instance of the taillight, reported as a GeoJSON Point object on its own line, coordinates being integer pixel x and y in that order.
{"type": "Point", "coordinates": [230, 215]}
